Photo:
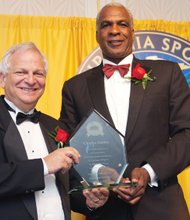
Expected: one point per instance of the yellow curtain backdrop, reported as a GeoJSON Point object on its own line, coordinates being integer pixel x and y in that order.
{"type": "Point", "coordinates": [66, 41]}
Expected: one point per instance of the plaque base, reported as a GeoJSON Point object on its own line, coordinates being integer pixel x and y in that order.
{"type": "Point", "coordinates": [109, 186]}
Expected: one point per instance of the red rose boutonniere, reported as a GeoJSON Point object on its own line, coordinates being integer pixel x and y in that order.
{"type": "Point", "coordinates": [60, 136]}
{"type": "Point", "coordinates": [139, 75]}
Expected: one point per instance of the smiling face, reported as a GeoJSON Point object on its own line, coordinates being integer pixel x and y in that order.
{"type": "Point", "coordinates": [24, 84]}
{"type": "Point", "coordinates": [115, 34]}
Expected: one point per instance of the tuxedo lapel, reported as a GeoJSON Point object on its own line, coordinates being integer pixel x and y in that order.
{"type": "Point", "coordinates": [50, 142]}
{"type": "Point", "coordinates": [30, 203]}
{"type": "Point", "coordinates": [95, 83]}
{"type": "Point", "coordinates": [15, 150]}
{"type": "Point", "coordinates": [136, 98]}
{"type": "Point", "coordinates": [14, 146]}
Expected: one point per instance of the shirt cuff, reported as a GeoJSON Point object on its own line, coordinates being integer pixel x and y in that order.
{"type": "Point", "coordinates": [46, 172]}
{"type": "Point", "coordinates": [153, 177]}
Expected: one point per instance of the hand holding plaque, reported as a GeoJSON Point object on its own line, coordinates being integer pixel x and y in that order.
{"type": "Point", "coordinates": [102, 149]}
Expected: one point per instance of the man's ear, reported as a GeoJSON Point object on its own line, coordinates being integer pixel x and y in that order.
{"type": "Point", "coordinates": [2, 80]}
{"type": "Point", "coordinates": [133, 34]}
{"type": "Point", "coordinates": [97, 36]}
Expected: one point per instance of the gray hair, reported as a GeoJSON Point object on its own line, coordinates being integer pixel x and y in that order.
{"type": "Point", "coordinates": [119, 6]}
{"type": "Point", "coordinates": [4, 64]}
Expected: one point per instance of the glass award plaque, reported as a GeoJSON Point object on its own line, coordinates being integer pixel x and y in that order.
{"type": "Point", "coordinates": [102, 149]}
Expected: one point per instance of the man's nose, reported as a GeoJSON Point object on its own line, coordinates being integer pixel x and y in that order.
{"type": "Point", "coordinates": [30, 77]}
{"type": "Point", "coordinates": [115, 29]}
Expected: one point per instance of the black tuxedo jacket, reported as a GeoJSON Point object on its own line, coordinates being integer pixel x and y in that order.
{"type": "Point", "coordinates": [158, 133]}
{"type": "Point", "coordinates": [20, 177]}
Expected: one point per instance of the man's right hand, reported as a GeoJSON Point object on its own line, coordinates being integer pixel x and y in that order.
{"type": "Point", "coordinates": [61, 159]}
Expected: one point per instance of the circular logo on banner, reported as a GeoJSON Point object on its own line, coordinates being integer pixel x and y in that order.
{"type": "Point", "coordinates": [151, 45]}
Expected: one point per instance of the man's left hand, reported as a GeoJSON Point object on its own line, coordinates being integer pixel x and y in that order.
{"type": "Point", "coordinates": [132, 194]}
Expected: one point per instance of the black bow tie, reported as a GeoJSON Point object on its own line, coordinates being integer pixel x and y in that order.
{"type": "Point", "coordinates": [34, 117]}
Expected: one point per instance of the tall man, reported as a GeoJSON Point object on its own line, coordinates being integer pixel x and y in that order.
{"type": "Point", "coordinates": [151, 110]}
{"type": "Point", "coordinates": [33, 181]}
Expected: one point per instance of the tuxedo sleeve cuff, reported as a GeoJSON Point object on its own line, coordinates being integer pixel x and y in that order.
{"type": "Point", "coordinates": [153, 177]}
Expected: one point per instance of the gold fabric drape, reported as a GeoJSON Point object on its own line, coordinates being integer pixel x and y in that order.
{"type": "Point", "coordinates": [66, 41]}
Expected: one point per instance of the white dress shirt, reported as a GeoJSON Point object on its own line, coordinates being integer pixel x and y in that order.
{"type": "Point", "coordinates": [48, 201]}
{"type": "Point", "coordinates": [117, 91]}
